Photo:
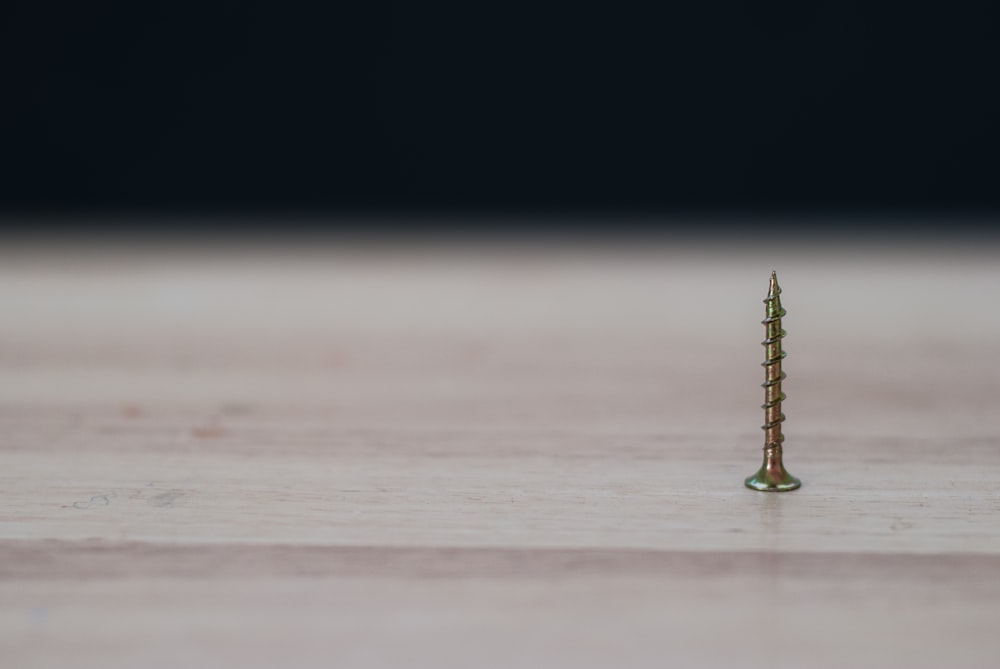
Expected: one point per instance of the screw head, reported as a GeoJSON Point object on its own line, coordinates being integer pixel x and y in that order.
{"type": "Point", "coordinates": [767, 482]}
{"type": "Point", "coordinates": [772, 477]}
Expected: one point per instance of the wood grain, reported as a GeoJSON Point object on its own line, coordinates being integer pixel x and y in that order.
{"type": "Point", "coordinates": [371, 456]}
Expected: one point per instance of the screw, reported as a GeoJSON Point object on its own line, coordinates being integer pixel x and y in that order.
{"type": "Point", "coordinates": [772, 477]}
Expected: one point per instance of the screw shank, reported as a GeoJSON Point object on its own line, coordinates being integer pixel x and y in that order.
{"type": "Point", "coordinates": [773, 373]}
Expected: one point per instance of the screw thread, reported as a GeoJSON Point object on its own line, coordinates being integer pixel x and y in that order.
{"type": "Point", "coordinates": [773, 374]}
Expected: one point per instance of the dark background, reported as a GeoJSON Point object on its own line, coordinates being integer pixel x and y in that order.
{"type": "Point", "coordinates": [508, 110]}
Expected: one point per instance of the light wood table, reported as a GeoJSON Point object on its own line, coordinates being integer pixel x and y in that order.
{"type": "Point", "coordinates": [363, 456]}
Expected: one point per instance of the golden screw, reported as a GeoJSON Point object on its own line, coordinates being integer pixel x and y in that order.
{"type": "Point", "coordinates": [772, 477]}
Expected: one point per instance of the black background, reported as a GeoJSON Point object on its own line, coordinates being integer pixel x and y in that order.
{"type": "Point", "coordinates": [422, 110]}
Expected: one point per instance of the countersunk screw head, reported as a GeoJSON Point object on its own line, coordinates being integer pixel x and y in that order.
{"type": "Point", "coordinates": [772, 477]}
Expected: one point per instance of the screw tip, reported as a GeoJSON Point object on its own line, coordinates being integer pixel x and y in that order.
{"type": "Point", "coordinates": [773, 288]}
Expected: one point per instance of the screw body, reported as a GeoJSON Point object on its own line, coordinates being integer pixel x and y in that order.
{"type": "Point", "coordinates": [772, 477]}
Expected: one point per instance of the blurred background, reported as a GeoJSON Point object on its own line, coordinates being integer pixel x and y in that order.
{"type": "Point", "coordinates": [268, 117]}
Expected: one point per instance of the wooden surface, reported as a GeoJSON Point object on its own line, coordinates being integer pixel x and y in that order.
{"type": "Point", "coordinates": [526, 456]}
